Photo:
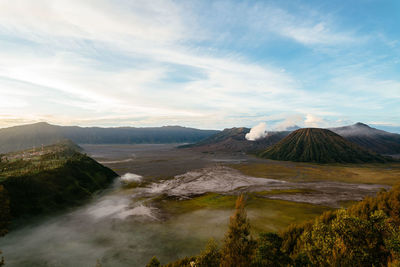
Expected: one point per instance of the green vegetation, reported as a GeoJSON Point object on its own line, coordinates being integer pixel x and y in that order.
{"type": "Point", "coordinates": [210, 256]}
{"type": "Point", "coordinates": [238, 246]}
{"type": "Point", "coordinates": [154, 262]}
{"type": "Point", "coordinates": [284, 191]}
{"type": "Point", "coordinates": [388, 173]}
{"type": "Point", "coordinates": [265, 214]}
{"type": "Point", "coordinates": [366, 234]}
{"type": "Point", "coordinates": [319, 145]}
{"type": "Point", "coordinates": [56, 177]}
{"type": "Point", "coordinates": [4, 211]}
{"type": "Point", "coordinates": [268, 251]}
{"type": "Point", "coordinates": [35, 160]}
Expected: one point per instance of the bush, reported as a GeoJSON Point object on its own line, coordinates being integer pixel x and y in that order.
{"type": "Point", "coordinates": [154, 262]}
{"type": "Point", "coordinates": [210, 257]}
{"type": "Point", "coordinates": [269, 251]}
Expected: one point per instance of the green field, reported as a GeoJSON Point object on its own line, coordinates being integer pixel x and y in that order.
{"type": "Point", "coordinates": [265, 214]}
{"type": "Point", "coordinates": [388, 173]}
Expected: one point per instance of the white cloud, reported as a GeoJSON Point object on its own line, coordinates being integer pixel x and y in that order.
{"type": "Point", "coordinates": [302, 24]}
{"type": "Point", "coordinates": [136, 90]}
{"type": "Point", "coordinates": [289, 121]}
{"type": "Point", "coordinates": [83, 61]}
{"type": "Point", "coordinates": [313, 121]}
{"type": "Point", "coordinates": [314, 34]}
{"type": "Point", "coordinates": [95, 20]}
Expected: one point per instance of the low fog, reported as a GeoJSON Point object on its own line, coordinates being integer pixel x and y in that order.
{"type": "Point", "coordinates": [116, 228]}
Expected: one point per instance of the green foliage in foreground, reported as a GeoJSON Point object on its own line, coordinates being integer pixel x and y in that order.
{"type": "Point", "coordinates": [366, 234]}
{"type": "Point", "coordinates": [154, 262]}
{"type": "Point", "coordinates": [210, 256]}
{"type": "Point", "coordinates": [238, 247]}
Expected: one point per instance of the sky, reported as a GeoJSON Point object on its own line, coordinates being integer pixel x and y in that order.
{"type": "Point", "coordinates": [203, 64]}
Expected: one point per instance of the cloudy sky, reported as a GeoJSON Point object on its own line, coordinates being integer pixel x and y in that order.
{"type": "Point", "coordinates": [206, 64]}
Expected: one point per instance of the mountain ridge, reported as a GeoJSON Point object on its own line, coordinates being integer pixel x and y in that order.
{"type": "Point", "coordinates": [370, 138]}
{"type": "Point", "coordinates": [26, 136]}
{"type": "Point", "coordinates": [234, 140]}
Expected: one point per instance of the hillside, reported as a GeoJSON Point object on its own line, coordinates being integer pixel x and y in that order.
{"type": "Point", "coordinates": [379, 141]}
{"type": "Point", "coordinates": [233, 140]}
{"type": "Point", "coordinates": [42, 180]}
{"type": "Point", "coordinates": [28, 136]}
{"type": "Point", "coordinates": [364, 234]}
{"type": "Point", "coordinates": [319, 145]}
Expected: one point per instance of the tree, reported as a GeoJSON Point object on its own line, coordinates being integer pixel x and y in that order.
{"type": "Point", "coordinates": [269, 251]}
{"type": "Point", "coordinates": [154, 262]}
{"type": "Point", "coordinates": [238, 247]}
{"type": "Point", "coordinates": [210, 257]}
{"type": "Point", "coordinates": [185, 262]}
{"type": "Point", "coordinates": [2, 260]}
{"type": "Point", "coordinates": [347, 241]}
{"type": "Point", "coordinates": [5, 216]}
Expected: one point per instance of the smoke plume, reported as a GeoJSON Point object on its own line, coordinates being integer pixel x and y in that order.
{"type": "Point", "coordinates": [257, 132]}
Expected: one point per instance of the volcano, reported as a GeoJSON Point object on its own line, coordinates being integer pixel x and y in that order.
{"type": "Point", "coordinates": [321, 146]}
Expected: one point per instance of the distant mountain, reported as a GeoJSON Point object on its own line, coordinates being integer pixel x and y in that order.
{"type": "Point", "coordinates": [370, 138]}
{"type": "Point", "coordinates": [233, 140]}
{"type": "Point", "coordinates": [319, 145]}
{"type": "Point", "coordinates": [292, 128]}
{"type": "Point", "coordinates": [27, 136]}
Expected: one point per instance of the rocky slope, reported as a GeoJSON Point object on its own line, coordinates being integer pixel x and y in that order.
{"type": "Point", "coordinates": [233, 140]}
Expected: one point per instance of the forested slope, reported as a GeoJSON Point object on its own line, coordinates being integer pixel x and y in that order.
{"type": "Point", "coordinates": [34, 182]}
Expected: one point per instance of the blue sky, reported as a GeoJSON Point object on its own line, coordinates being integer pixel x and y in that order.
{"type": "Point", "coordinates": [205, 64]}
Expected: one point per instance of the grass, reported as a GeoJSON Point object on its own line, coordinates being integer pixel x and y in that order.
{"type": "Point", "coordinates": [265, 214]}
{"type": "Point", "coordinates": [347, 203]}
{"type": "Point", "coordinates": [274, 215]}
{"type": "Point", "coordinates": [209, 201]}
{"type": "Point", "coordinates": [284, 191]}
{"type": "Point", "coordinates": [388, 173]}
